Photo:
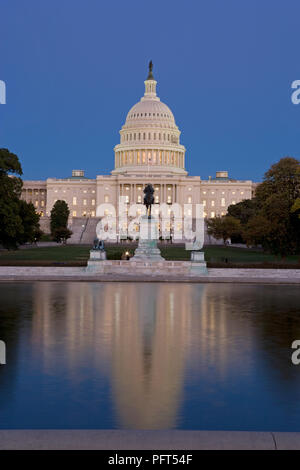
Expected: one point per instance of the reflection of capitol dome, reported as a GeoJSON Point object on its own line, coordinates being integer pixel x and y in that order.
{"type": "Point", "coordinates": [150, 137]}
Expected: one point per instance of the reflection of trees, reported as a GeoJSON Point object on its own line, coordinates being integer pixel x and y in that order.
{"type": "Point", "coordinates": [15, 313]}
{"type": "Point", "coordinates": [266, 315]}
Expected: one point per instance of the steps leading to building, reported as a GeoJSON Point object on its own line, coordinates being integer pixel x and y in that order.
{"type": "Point", "coordinates": [89, 233]}
{"type": "Point", "coordinates": [84, 230]}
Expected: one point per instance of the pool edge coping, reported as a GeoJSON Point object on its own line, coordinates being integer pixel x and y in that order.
{"type": "Point", "coordinates": [110, 439]}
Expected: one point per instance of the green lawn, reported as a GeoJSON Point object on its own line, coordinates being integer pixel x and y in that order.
{"type": "Point", "coordinates": [78, 254]}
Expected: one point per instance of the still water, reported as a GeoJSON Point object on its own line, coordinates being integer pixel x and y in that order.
{"type": "Point", "coordinates": [149, 356]}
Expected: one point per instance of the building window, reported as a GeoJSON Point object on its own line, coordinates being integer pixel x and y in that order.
{"type": "Point", "coordinates": [36, 203]}
{"type": "Point", "coordinates": [204, 202]}
{"type": "Point", "coordinates": [189, 200]}
{"type": "Point", "coordinates": [169, 199]}
{"type": "Point", "coordinates": [74, 213]}
{"type": "Point", "coordinates": [93, 213]}
{"type": "Point", "coordinates": [84, 202]}
{"type": "Point", "coordinates": [42, 203]}
{"type": "Point", "coordinates": [223, 202]}
{"type": "Point", "coordinates": [157, 199]}
{"type": "Point", "coordinates": [139, 198]}
{"type": "Point", "coordinates": [74, 201]}
{"type": "Point", "coordinates": [93, 202]}
{"type": "Point", "coordinates": [212, 203]}
{"type": "Point", "coordinates": [106, 198]}
{"type": "Point", "coordinates": [212, 214]}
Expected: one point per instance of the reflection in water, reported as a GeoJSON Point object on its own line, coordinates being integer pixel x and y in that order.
{"type": "Point", "coordinates": [149, 356]}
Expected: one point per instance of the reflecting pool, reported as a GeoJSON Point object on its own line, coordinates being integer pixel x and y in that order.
{"type": "Point", "coordinates": [149, 356]}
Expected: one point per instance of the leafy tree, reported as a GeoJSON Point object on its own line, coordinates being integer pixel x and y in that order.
{"type": "Point", "coordinates": [30, 221]}
{"type": "Point", "coordinates": [256, 230]}
{"type": "Point", "coordinates": [17, 219]}
{"type": "Point", "coordinates": [223, 227]}
{"type": "Point", "coordinates": [59, 216]}
{"type": "Point", "coordinates": [61, 234]}
{"type": "Point", "coordinates": [296, 207]}
{"type": "Point", "coordinates": [282, 178]}
{"type": "Point", "coordinates": [272, 218]}
{"type": "Point", "coordinates": [243, 210]}
{"type": "Point", "coordinates": [276, 199]}
{"type": "Point", "coordinates": [9, 163]}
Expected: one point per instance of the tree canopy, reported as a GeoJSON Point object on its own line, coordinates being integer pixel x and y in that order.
{"type": "Point", "coordinates": [59, 220]}
{"type": "Point", "coordinates": [18, 219]}
{"type": "Point", "coordinates": [272, 217]}
{"type": "Point", "coordinates": [223, 227]}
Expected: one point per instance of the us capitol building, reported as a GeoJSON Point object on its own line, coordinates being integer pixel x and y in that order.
{"type": "Point", "coordinates": [149, 151]}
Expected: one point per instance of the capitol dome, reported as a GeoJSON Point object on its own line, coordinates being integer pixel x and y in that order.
{"type": "Point", "coordinates": [152, 112]}
{"type": "Point", "coordinates": [150, 137]}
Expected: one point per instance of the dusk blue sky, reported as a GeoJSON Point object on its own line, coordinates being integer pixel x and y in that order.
{"type": "Point", "coordinates": [74, 68]}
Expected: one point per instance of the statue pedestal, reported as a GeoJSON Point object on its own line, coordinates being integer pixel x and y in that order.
{"type": "Point", "coordinates": [198, 263]}
{"type": "Point", "coordinates": [96, 257]}
{"type": "Point", "coordinates": [147, 248]}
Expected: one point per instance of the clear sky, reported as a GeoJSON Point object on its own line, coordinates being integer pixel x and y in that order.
{"type": "Point", "coordinates": [73, 69]}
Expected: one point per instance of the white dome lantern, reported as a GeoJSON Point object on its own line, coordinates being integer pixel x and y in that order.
{"type": "Point", "coordinates": [149, 137]}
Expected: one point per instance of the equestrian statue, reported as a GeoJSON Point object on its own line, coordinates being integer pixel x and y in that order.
{"type": "Point", "coordinates": [149, 198]}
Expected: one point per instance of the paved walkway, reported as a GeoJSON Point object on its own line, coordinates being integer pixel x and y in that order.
{"type": "Point", "coordinates": [264, 276]}
{"type": "Point", "coordinates": [146, 440]}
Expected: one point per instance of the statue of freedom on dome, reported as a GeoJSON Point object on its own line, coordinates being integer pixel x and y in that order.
{"type": "Point", "coordinates": [150, 75]}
